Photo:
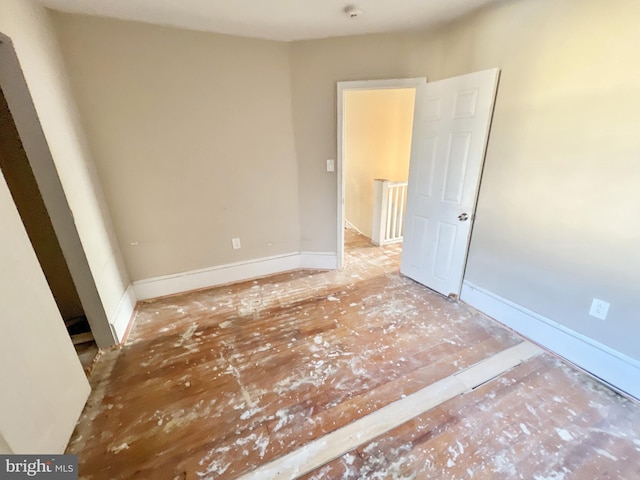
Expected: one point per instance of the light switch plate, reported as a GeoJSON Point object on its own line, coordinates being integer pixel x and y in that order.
{"type": "Point", "coordinates": [331, 165]}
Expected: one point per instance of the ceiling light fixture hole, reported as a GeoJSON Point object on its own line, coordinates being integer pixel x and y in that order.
{"type": "Point", "coordinates": [352, 11]}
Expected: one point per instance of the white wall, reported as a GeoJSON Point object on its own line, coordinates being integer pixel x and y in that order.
{"type": "Point", "coordinates": [28, 26]}
{"type": "Point", "coordinates": [377, 131]}
{"type": "Point", "coordinates": [193, 140]}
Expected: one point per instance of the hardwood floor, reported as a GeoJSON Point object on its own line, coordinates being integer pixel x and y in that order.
{"type": "Point", "coordinates": [541, 420]}
{"type": "Point", "coordinates": [215, 383]}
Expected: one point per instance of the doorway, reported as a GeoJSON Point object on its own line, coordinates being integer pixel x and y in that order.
{"type": "Point", "coordinates": [17, 172]}
{"type": "Point", "coordinates": [375, 120]}
{"type": "Point", "coordinates": [450, 130]}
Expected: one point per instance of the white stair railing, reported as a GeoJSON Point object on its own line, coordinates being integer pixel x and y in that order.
{"type": "Point", "coordinates": [388, 211]}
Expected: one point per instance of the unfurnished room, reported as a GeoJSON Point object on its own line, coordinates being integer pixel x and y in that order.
{"type": "Point", "coordinates": [319, 240]}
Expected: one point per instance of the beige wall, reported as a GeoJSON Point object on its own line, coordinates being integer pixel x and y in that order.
{"type": "Point", "coordinates": [28, 26]}
{"type": "Point", "coordinates": [553, 223]}
{"type": "Point", "coordinates": [316, 67]}
{"type": "Point", "coordinates": [44, 387]}
{"type": "Point", "coordinates": [377, 132]}
{"type": "Point", "coordinates": [557, 215]}
{"type": "Point", "coordinates": [193, 140]}
{"type": "Point", "coordinates": [4, 446]}
{"type": "Point", "coordinates": [194, 143]}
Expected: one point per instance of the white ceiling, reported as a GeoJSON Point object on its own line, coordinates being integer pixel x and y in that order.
{"type": "Point", "coordinates": [277, 19]}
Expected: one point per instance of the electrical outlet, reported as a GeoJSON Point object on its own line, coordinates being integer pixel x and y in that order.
{"type": "Point", "coordinates": [599, 309]}
{"type": "Point", "coordinates": [235, 243]}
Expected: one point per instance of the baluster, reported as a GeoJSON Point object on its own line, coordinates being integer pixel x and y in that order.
{"type": "Point", "coordinates": [403, 190]}
{"type": "Point", "coordinates": [380, 211]}
{"type": "Point", "coordinates": [387, 232]}
{"type": "Point", "coordinates": [395, 212]}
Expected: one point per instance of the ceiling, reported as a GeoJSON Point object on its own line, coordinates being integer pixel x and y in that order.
{"type": "Point", "coordinates": [285, 20]}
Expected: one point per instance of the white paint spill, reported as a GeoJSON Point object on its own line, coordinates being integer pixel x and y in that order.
{"type": "Point", "coordinates": [252, 412]}
{"type": "Point", "coordinates": [283, 419]}
{"type": "Point", "coordinates": [119, 448]}
{"type": "Point", "coordinates": [322, 474]}
{"type": "Point", "coordinates": [530, 409]}
{"type": "Point", "coordinates": [552, 476]}
{"type": "Point", "coordinates": [564, 435]}
{"type": "Point", "coordinates": [243, 441]}
{"type": "Point", "coordinates": [186, 336]}
{"type": "Point", "coordinates": [455, 452]}
{"type": "Point", "coordinates": [606, 454]}
{"type": "Point", "coordinates": [371, 447]}
{"type": "Point", "coordinates": [216, 467]}
{"type": "Point", "coordinates": [261, 444]}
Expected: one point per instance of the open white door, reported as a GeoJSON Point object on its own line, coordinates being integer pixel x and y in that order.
{"type": "Point", "coordinates": [450, 130]}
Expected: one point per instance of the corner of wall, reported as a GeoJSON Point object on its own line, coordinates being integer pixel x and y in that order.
{"type": "Point", "coordinates": [122, 318]}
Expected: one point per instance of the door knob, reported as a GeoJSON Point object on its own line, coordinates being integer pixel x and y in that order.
{"type": "Point", "coordinates": [463, 217]}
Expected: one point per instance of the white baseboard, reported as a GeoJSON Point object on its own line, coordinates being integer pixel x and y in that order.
{"type": "Point", "coordinates": [123, 314]}
{"type": "Point", "coordinates": [319, 260]}
{"type": "Point", "coordinates": [615, 368]}
{"type": "Point", "coordinates": [351, 226]}
{"type": "Point", "coordinates": [230, 273]}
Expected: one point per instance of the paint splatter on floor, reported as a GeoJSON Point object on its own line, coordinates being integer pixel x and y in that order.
{"type": "Point", "coordinates": [216, 382]}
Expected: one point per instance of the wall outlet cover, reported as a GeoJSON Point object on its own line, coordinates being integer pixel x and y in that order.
{"type": "Point", "coordinates": [599, 309]}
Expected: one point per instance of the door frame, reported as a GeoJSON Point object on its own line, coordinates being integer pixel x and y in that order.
{"type": "Point", "coordinates": [342, 88]}
{"type": "Point", "coordinates": [25, 117]}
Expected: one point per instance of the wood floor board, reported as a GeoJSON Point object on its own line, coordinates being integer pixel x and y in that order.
{"type": "Point", "coordinates": [325, 448]}
{"type": "Point", "coordinates": [214, 383]}
{"type": "Point", "coordinates": [541, 420]}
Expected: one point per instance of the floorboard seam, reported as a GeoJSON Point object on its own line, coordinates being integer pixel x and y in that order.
{"type": "Point", "coordinates": [319, 452]}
